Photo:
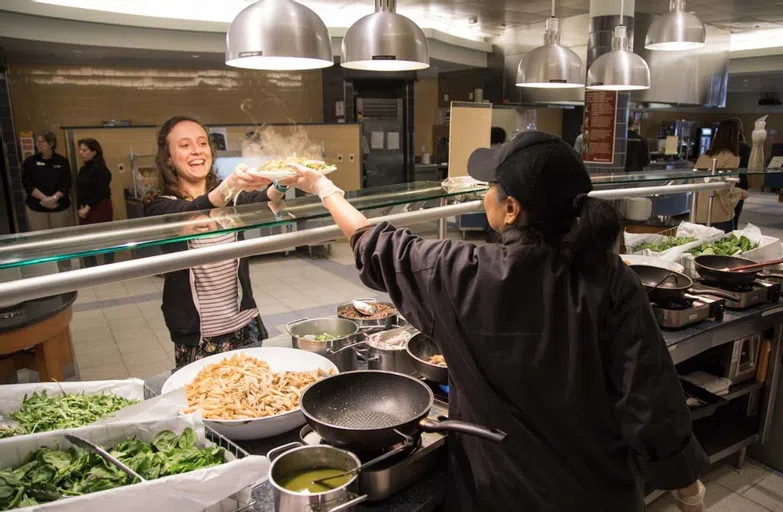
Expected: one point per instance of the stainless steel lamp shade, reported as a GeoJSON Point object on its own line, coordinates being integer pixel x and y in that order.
{"type": "Point", "coordinates": [551, 66]}
{"type": "Point", "coordinates": [278, 35]}
{"type": "Point", "coordinates": [676, 31]}
{"type": "Point", "coordinates": [385, 41]}
{"type": "Point", "coordinates": [620, 69]}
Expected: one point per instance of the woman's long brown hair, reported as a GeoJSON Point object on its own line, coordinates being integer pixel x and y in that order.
{"type": "Point", "coordinates": [168, 180]}
{"type": "Point", "coordinates": [726, 139]}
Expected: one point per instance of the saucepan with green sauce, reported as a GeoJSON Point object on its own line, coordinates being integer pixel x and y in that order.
{"type": "Point", "coordinates": [294, 469]}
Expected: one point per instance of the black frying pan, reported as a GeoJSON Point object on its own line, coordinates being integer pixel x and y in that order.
{"type": "Point", "coordinates": [710, 267]}
{"type": "Point", "coordinates": [664, 285]}
{"type": "Point", "coordinates": [421, 348]}
{"type": "Point", "coordinates": [371, 409]}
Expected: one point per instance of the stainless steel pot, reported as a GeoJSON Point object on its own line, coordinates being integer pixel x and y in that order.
{"type": "Point", "coordinates": [394, 359]}
{"type": "Point", "coordinates": [295, 457]}
{"type": "Point", "coordinates": [371, 325]}
{"type": "Point", "coordinates": [346, 334]}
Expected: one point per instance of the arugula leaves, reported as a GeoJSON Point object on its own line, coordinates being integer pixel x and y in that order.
{"type": "Point", "coordinates": [47, 475]}
{"type": "Point", "coordinates": [665, 245]}
{"type": "Point", "coordinates": [42, 413]}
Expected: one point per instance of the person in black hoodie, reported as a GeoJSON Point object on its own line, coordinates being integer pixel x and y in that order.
{"type": "Point", "coordinates": [208, 309]}
{"type": "Point", "coordinates": [551, 304]}
{"type": "Point", "coordinates": [46, 177]}
{"type": "Point", "coordinates": [93, 192]}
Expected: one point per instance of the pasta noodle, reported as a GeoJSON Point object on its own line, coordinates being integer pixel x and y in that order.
{"type": "Point", "coordinates": [244, 387]}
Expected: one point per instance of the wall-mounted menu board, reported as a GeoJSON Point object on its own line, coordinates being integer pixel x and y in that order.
{"type": "Point", "coordinates": [599, 126]}
{"type": "Point", "coordinates": [470, 128]}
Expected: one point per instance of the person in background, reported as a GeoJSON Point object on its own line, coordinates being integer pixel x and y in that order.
{"type": "Point", "coordinates": [209, 308]}
{"type": "Point", "coordinates": [497, 136]}
{"type": "Point", "coordinates": [636, 156]}
{"type": "Point", "coordinates": [93, 191]}
{"type": "Point", "coordinates": [725, 150]}
{"type": "Point", "coordinates": [579, 143]}
{"type": "Point", "coordinates": [551, 303]}
{"type": "Point", "coordinates": [744, 156]}
{"type": "Point", "coordinates": [46, 177]}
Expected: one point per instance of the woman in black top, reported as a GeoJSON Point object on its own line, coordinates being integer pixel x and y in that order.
{"type": "Point", "coordinates": [548, 336]}
{"type": "Point", "coordinates": [209, 308]}
{"type": "Point", "coordinates": [93, 192]}
{"type": "Point", "coordinates": [46, 177]}
{"type": "Point", "coordinates": [744, 154]}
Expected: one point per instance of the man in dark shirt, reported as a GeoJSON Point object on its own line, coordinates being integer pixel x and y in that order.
{"type": "Point", "coordinates": [636, 156]}
{"type": "Point", "coordinates": [46, 177]}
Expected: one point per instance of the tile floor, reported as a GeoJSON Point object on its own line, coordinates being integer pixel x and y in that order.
{"type": "Point", "coordinates": [118, 331]}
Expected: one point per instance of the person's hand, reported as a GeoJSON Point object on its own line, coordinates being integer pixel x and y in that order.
{"type": "Point", "coordinates": [242, 179]}
{"type": "Point", "coordinates": [691, 498]}
{"type": "Point", "coordinates": [50, 202]}
{"type": "Point", "coordinates": [84, 211]}
{"type": "Point", "coordinates": [745, 194]}
{"type": "Point", "coordinates": [306, 179]}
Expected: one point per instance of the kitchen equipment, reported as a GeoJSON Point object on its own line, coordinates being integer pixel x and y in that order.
{"type": "Point", "coordinates": [756, 266]}
{"type": "Point", "coordinates": [293, 458]}
{"type": "Point", "coordinates": [379, 355]}
{"type": "Point", "coordinates": [279, 360]}
{"type": "Point", "coordinates": [89, 446]}
{"type": "Point", "coordinates": [369, 324]}
{"type": "Point", "coordinates": [345, 332]}
{"type": "Point", "coordinates": [745, 296]}
{"type": "Point", "coordinates": [371, 409]}
{"type": "Point", "coordinates": [364, 308]}
{"type": "Point", "coordinates": [711, 268]}
{"type": "Point", "coordinates": [682, 313]}
{"type": "Point", "coordinates": [421, 348]}
{"type": "Point", "coordinates": [385, 479]}
{"type": "Point", "coordinates": [664, 286]}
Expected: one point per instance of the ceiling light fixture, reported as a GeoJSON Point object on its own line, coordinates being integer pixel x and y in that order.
{"type": "Point", "coordinates": [676, 30]}
{"type": "Point", "coordinates": [551, 66]}
{"type": "Point", "coordinates": [279, 35]}
{"type": "Point", "coordinates": [385, 41]}
{"type": "Point", "coordinates": [620, 69]}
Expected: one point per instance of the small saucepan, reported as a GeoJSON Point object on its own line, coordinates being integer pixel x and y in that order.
{"type": "Point", "coordinates": [421, 348]}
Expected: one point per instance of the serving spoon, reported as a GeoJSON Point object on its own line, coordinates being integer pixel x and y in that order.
{"type": "Point", "coordinates": [363, 307]}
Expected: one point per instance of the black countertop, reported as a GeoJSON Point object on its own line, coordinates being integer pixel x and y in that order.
{"type": "Point", "coordinates": [34, 311]}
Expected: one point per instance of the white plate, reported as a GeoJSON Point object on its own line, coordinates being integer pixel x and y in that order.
{"type": "Point", "coordinates": [280, 175]}
{"type": "Point", "coordinates": [635, 259]}
{"type": "Point", "coordinates": [279, 360]}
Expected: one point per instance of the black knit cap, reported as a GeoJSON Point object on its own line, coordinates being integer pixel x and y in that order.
{"type": "Point", "coordinates": [539, 170]}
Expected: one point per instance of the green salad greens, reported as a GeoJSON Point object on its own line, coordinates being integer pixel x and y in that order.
{"type": "Point", "coordinates": [47, 475]}
{"type": "Point", "coordinates": [325, 337]}
{"type": "Point", "coordinates": [725, 246]}
{"type": "Point", "coordinates": [42, 413]}
{"type": "Point", "coordinates": [665, 245]}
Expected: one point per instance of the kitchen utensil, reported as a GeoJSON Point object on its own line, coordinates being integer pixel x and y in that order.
{"type": "Point", "coordinates": [756, 266]}
{"type": "Point", "coordinates": [279, 360]}
{"type": "Point", "coordinates": [294, 457]}
{"type": "Point", "coordinates": [664, 286]}
{"type": "Point", "coordinates": [717, 269]}
{"type": "Point", "coordinates": [87, 445]}
{"type": "Point", "coordinates": [392, 358]}
{"type": "Point", "coordinates": [368, 324]}
{"type": "Point", "coordinates": [364, 308]}
{"type": "Point", "coordinates": [345, 332]}
{"type": "Point", "coordinates": [421, 348]}
{"type": "Point", "coordinates": [369, 410]}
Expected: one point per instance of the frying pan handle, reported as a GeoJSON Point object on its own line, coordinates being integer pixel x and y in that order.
{"type": "Point", "coordinates": [463, 427]}
{"type": "Point", "coordinates": [276, 452]}
{"type": "Point", "coordinates": [362, 354]}
{"type": "Point", "coordinates": [351, 346]}
{"type": "Point", "coordinates": [295, 322]}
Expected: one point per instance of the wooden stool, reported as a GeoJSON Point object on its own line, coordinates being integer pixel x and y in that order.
{"type": "Point", "coordinates": [44, 347]}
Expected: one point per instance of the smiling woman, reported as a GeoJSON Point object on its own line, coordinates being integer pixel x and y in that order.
{"type": "Point", "coordinates": [209, 308]}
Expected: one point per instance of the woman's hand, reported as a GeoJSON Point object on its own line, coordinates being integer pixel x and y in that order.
{"type": "Point", "coordinates": [745, 194]}
{"type": "Point", "coordinates": [50, 202]}
{"type": "Point", "coordinates": [308, 180]}
{"type": "Point", "coordinates": [242, 179]}
{"type": "Point", "coordinates": [84, 211]}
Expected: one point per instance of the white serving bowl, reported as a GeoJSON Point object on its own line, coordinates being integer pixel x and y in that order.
{"type": "Point", "coordinates": [279, 360]}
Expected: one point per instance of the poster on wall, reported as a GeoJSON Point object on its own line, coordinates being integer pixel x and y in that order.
{"type": "Point", "coordinates": [599, 126]}
{"type": "Point", "coordinates": [218, 136]}
{"type": "Point", "coordinates": [26, 144]}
